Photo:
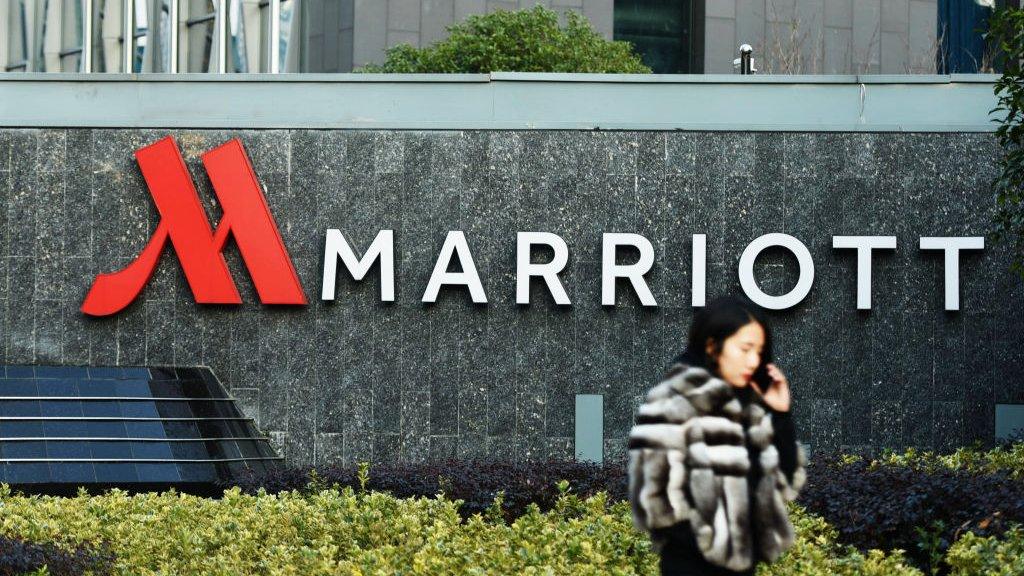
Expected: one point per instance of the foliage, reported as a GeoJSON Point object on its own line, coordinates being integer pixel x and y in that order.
{"type": "Point", "coordinates": [1007, 458]}
{"type": "Point", "coordinates": [1006, 33]}
{"type": "Point", "coordinates": [996, 556]}
{"type": "Point", "coordinates": [516, 41]}
{"type": "Point", "coordinates": [334, 532]}
{"type": "Point", "coordinates": [345, 531]}
{"type": "Point", "coordinates": [890, 515]}
{"type": "Point", "coordinates": [18, 556]}
{"type": "Point", "coordinates": [474, 482]}
{"type": "Point", "coordinates": [874, 505]}
{"type": "Point", "coordinates": [817, 551]}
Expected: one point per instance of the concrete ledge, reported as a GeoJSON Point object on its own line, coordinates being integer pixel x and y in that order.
{"type": "Point", "coordinates": [503, 100]}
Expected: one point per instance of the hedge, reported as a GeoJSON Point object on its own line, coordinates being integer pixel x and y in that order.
{"type": "Point", "coordinates": [331, 531]}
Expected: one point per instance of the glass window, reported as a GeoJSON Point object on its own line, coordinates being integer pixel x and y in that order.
{"type": "Point", "coordinates": [62, 387]}
{"type": "Point", "coordinates": [61, 408]}
{"type": "Point", "coordinates": [105, 429]}
{"type": "Point", "coordinates": [21, 372]}
{"type": "Point", "coordinates": [197, 472]}
{"type": "Point", "coordinates": [69, 399]}
{"type": "Point", "coordinates": [145, 429]}
{"type": "Point", "coordinates": [21, 408]}
{"type": "Point", "coordinates": [961, 26]}
{"type": "Point", "coordinates": [24, 449]}
{"type": "Point", "coordinates": [67, 449]}
{"type": "Point", "coordinates": [151, 450]}
{"type": "Point", "coordinates": [65, 428]}
{"type": "Point", "coordinates": [28, 472]}
{"type": "Point", "coordinates": [72, 472]}
{"type": "Point", "coordinates": [139, 409]}
{"type": "Point", "coordinates": [102, 408]}
{"type": "Point", "coordinates": [664, 32]}
{"type": "Point", "coordinates": [97, 388]}
{"type": "Point", "coordinates": [158, 472]}
{"type": "Point", "coordinates": [113, 450]}
{"type": "Point", "coordinates": [18, 387]}
{"type": "Point", "coordinates": [116, 472]}
{"type": "Point", "coordinates": [21, 429]}
{"type": "Point", "coordinates": [133, 388]}
{"type": "Point", "coordinates": [175, 409]}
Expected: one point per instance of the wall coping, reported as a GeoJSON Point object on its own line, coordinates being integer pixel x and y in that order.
{"type": "Point", "coordinates": [502, 100]}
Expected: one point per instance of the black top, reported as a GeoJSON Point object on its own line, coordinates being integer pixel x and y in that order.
{"type": "Point", "coordinates": [681, 548]}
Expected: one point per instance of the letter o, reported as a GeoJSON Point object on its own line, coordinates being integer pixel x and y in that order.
{"type": "Point", "coordinates": [803, 284]}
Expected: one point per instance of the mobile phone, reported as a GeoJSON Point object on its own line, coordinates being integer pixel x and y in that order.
{"type": "Point", "coordinates": [761, 377]}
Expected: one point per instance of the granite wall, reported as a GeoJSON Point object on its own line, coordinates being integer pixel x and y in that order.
{"type": "Point", "coordinates": [360, 379]}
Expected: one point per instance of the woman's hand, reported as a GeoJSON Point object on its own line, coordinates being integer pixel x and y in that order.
{"type": "Point", "coordinates": [777, 395]}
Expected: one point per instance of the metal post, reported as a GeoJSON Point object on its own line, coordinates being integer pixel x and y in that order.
{"type": "Point", "coordinates": [222, 36]}
{"type": "Point", "coordinates": [274, 58]}
{"type": "Point", "coordinates": [128, 36]}
{"type": "Point", "coordinates": [86, 36]}
{"type": "Point", "coordinates": [173, 40]}
{"type": "Point", "coordinates": [745, 59]}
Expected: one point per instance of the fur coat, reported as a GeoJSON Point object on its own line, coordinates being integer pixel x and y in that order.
{"type": "Point", "coordinates": [689, 462]}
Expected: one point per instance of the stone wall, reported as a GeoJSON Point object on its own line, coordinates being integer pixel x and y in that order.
{"type": "Point", "coordinates": [360, 379]}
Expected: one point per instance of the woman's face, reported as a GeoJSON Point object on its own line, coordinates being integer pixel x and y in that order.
{"type": "Point", "coordinates": [741, 354]}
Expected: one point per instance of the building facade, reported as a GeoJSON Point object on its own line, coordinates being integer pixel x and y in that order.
{"type": "Point", "coordinates": [360, 377]}
{"type": "Point", "coordinates": [673, 36]}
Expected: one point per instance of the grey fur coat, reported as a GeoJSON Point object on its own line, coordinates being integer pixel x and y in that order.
{"type": "Point", "coordinates": [689, 460]}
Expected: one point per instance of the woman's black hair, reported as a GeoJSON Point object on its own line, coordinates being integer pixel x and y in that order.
{"type": "Point", "coordinates": [718, 320]}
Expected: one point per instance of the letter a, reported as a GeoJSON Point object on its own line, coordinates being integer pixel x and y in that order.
{"type": "Point", "coordinates": [200, 249]}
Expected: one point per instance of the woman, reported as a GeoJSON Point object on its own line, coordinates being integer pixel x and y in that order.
{"type": "Point", "coordinates": [713, 456]}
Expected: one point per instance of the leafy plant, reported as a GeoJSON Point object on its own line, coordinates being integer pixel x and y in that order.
{"type": "Point", "coordinates": [991, 555]}
{"type": "Point", "coordinates": [817, 550]}
{"type": "Point", "coordinates": [1006, 33]}
{"type": "Point", "coordinates": [19, 556]}
{"type": "Point", "coordinates": [516, 41]}
{"type": "Point", "coordinates": [878, 505]}
{"type": "Point", "coordinates": [344, 531]}
{"type": "Point", "coordinates": [932, 544]}
{"type": "Point", "coordinates": [475, 482]}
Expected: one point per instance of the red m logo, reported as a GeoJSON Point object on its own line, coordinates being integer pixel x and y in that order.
{"type": "Point", "coordinates": [199, 248]}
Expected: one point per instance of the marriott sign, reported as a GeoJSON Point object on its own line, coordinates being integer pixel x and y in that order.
{"type": "Point", "coordinates": [247, 218]}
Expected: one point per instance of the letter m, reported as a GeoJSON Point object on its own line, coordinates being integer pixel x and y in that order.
{"type": "Point", "coordinates": [199, 248]}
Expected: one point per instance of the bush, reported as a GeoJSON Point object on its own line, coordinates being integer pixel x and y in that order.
{"type": "Point", "coordinates": [474, 482]}
{"type": "Point", "coordinates": [996, 556]}
{"type": "Point", "coordinates": [19, 557]}
{"type": "Point", "coordinates": [1006, 33]}
{"type": "Point", "coordinates": [521, 41]}
{"type": "Point", "coordinates": [335, 532]}
{"type": "Point", "coordinates": [1007, 458]}
{"type": "Point", "coordinates": [817, 551]}
{"type": "Point", "coordinates": [874, 505]}
{"type": "Point", "coordinates": [348, 531]}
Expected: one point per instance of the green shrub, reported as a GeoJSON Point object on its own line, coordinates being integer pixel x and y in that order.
{"type": "Point", "coordinates": [520, 41]}
{"type": "Point", "coordinates": [995, 556]}
{"type": "Point", "coordinates": [817, 551]}
{"type": "Point", "coordinates": [332, 532]}
{"type": "Point", "coordinates": [1007, 458]}
{"type": "Point", "coordinates": [1006, 36]}
{"type": "Point", "coordinates": [346, 531]}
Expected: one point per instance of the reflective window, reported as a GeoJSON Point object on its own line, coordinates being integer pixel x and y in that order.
{"type": "Point", "coordinates": [117, 425]}
{"type": "Point", "coordinates": [664, 32]}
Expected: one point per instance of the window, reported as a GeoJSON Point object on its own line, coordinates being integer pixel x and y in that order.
{"type": "Point", "coordinates": [668, 34]}
{"type": "Point", "coordinates": [73, 425]}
